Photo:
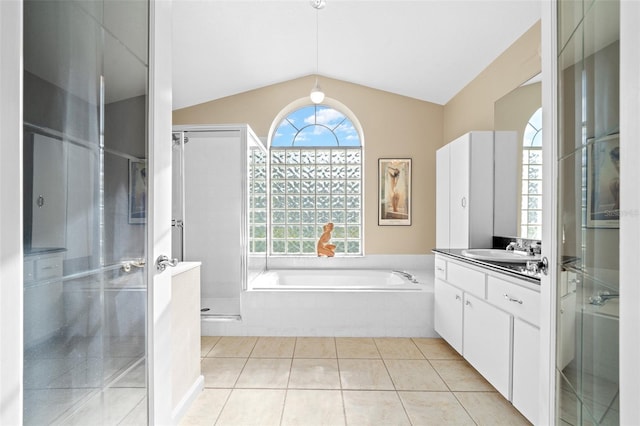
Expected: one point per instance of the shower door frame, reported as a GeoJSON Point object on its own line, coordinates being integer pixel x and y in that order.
{"type": "Point", "coordinates": [11, 222]}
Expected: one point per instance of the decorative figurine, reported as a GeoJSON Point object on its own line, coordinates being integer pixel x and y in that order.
{"type": "Point", "coordinates": [324, 248]}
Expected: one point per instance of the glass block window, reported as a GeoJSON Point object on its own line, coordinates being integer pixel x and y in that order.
{"type": "Point", "coordinates": [258, 212]}
{"type": "Point", "coordinates": [531, 207]}
{"type": "Point", "coordinates": [315, 178]}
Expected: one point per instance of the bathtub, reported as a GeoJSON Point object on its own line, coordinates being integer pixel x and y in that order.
{"type": "Point", "coordinates": [334, 280]}
{"type": "Point", "coordinates": [333, 302]}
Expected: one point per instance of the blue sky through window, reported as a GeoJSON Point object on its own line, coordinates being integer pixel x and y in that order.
{"type": "Point", "coordinates": [315, 126]}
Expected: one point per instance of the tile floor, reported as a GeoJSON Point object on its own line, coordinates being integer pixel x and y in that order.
{"type": "Point", "coordinates": [342, 381]}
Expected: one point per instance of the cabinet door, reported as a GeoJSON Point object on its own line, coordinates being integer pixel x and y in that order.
{"type": "Point", "coordinates": [526, 365]}
{"type": "Point", "coordinates": [487, 342]}
{"type": "Point", "coordinates": [442, 197]}
{"type": "Point", "coordinates": [448, 314]}
{"type": "Point", "coordinates": [459, 193]}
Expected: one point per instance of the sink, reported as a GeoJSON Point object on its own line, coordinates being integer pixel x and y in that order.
{"type": "Point", "coordinates": [497, 255]}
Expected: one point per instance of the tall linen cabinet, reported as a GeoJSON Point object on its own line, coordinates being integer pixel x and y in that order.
{"type": "Point", "coordinates": [476, 189]}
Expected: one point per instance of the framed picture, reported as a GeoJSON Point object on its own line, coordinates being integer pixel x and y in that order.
{"type": "Point", "coordinates": [603, 182]}
{"type": "Point", "coordinates": [394, 191]}
{"type": "Point", "coordinates": [137, 191]}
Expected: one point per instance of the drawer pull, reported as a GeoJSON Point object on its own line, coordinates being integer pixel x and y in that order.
{"type": "Point", "coordinates": [46, 268]}
{"type": "Point", "coordinates": [439, 268]}
{"type": "Point", "coordinates": [511, 299]}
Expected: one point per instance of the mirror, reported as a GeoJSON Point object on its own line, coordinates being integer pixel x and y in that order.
{"type": "Point", "coordinates": [521, 110]}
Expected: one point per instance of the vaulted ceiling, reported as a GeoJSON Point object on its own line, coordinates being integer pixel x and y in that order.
{"type": "Point", "coordinates": [424, 49]}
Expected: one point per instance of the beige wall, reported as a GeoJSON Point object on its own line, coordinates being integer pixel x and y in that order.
{"type": "Point", "coordinates": [472, 107]}
{"type": "Point", "coordinates": [394, 126]}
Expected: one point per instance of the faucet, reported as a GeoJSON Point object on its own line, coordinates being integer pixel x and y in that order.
{"type": "Point", "coordinates": [601, 297]}
{"type": "Point", "coordinates": [407, 275]}
{"type": "Point", "coordinates": [512, 246]}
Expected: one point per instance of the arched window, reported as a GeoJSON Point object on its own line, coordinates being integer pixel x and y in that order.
{"type": "Point", "coordinates": [531, 208]}
{"type": "Point", "coordinates": [316, 171]}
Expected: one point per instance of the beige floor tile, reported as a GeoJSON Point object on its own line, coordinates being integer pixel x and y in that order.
{"type": "Point", "coordinates": [221, 372]}
{"type": "Point", "coordinates": [206, 343]}
{"type": "Point", "coordinates": [307, 373]}
{"type": "Point", "coordinates": [248, 407]}
{"type": "Point", "coordinates": [206, 408]}
{"type": "Point", "coordinates": [313, 407]}
{"type": "Point", "coordinates": [436, 348]}
{"type": "Point", "coordinates": [239, 347]}
{"type": "Point", "coordinates": [356, 347]}
{"type": "Point", "coordinates": [490, 408]}
{"type": "Point", "coordinates": [434, 408]}
{"type": "Point", "coordinates": [265, 373]}
{"type": "Point", "coordinates": [315, 347]}
{"type": "Point", "coordinates": [414, 374]}
{"type": "Point", "coordinates": [374, 408]}
{"type": "Point", "coordinates": [460, 376]}
{"type": "Point", "coordinates": [398, 348]}
{"type": "Point", "coordinates": [364, 374]}
{"type": "Point", "coordinates": [274, 347]}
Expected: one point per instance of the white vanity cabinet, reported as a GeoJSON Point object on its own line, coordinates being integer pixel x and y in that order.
{"type": "Point", "coordinates": [475, 179]}
{"type": "Point", "coordinates": [492, 319]}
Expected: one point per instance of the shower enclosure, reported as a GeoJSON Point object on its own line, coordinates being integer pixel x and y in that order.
{"type": "Point", "coordinates": [588, 240]}
{"type": "Point", "coordinates": [85, 179]}
{"type": "Point", "coordinates": [220, 211]}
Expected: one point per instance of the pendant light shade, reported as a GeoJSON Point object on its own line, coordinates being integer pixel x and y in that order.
{"type": "Point", "coordinates": [316, 95]}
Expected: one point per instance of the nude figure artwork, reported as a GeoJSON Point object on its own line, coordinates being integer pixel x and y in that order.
{"type": "Point", "coordinates": [324, 248]}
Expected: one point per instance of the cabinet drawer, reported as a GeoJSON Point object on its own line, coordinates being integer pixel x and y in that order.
{"type": "Point", "coordinates": [517, 300]}
{"type": "Point", "coordinates": [467, 279]}
{"type": "Point", "coordinates": [441, 268]}
{"type": "Point", "coordinates": [49, 267]}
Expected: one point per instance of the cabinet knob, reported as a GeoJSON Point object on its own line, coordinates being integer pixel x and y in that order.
{"type": "Point", "coordinates": [458, 297]}
{"type": "Point", "coordinates": [467, 303]}
{"type": "Point", "coordinates": [463, 202]}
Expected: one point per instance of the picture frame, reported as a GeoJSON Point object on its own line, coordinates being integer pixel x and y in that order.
{"type": "Point", "coordinates": [603, 182]}
{"type": "Point", "coordinates": [394, 191]}
{"type": "Point", "coordinates": [137, 191]}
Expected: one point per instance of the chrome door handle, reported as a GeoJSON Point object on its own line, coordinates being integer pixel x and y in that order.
{"type": "Point", "coordinates": [163, 261]}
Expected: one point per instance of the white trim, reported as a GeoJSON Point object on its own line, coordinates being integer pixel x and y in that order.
{"type": "Point", "coordinates": [192, 394]}
{"type": "Point", "coordinates": [159, 214]}
{"type": "Point", "coordinates": [548, 297]}
{"type": "Point", "coordinates": [629, 212]}
{"type": "Point", "coordinates": [11, 335]}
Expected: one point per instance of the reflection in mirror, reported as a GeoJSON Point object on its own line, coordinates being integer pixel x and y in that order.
{"type": "Point", "coordinates": [520, 111]}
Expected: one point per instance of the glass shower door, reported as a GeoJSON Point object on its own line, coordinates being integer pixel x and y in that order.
{"type": "Point", "coordinates": [587, 342]}
{"type": "Point", "coordinates": [85, 198]}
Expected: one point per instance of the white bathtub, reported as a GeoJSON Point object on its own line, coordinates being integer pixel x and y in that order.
{"type": "Point", "coordinates": [334, 280]}
{"type": "Point", "coordinates": [333, 302]}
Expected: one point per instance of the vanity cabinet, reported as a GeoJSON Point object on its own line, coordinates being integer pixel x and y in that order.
{"type": "Point", "coordinates": [476, 180]}
{"type": "Point", "coordinates": [43, 302]}
{"type": "Point", "coordinates": [492, 320]}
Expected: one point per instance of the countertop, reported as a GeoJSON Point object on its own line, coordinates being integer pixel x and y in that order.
{"type": "Point", "coordinates": [517, 270]}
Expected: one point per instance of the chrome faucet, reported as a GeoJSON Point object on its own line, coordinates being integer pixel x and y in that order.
{"type": "Point", "coordinates": [407, 275]}
{"type": "Point", "coordinates": [601, 297]}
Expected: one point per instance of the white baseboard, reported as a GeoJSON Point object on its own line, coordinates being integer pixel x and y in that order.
{"type": "Point", "coordinates": [185, 403]}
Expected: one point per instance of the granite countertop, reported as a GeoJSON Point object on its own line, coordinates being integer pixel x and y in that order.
{"type": "Point", "coordinates": [517, 270]}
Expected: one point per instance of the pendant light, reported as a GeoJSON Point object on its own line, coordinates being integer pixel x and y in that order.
{"type": "Point", "coordinates": [317, 95]}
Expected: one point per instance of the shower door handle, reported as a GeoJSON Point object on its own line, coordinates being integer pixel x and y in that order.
{"type": "Point", "coordinates": [163, 261]}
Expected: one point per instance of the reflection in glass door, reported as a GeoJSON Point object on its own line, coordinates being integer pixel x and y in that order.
{"type": "Point", "coordinates": [85, 145]}
{"type": "Point", "coordinates": [587, 329]}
